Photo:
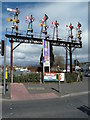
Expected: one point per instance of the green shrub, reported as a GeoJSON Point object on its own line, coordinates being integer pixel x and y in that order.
{"type": "Point", "coordinates": [27, 78]}
{"type": "Point", "coordinates": [33, 77]}
{"type": "Point", "coordinates": [71, 77]}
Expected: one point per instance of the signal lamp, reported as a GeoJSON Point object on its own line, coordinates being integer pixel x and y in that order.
{"type": "Point", "coordinates": [55, 23]}
{"type": "Point", "coordinates": [71, 27]}
{"type": "Point", "coordinates": [79, 32]}
{"type": "Point", "coordinates": [8, 20]}
{"type": "Point", "coordinates": [79, 24]}
{"type": "Point", "coordinates": [44, 19]}
{"type": "Point", "coordinates": [40, 24]}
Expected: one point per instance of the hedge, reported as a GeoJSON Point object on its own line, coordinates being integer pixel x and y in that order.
{"type": "Point", "coordinates": [71, 77]}
{"type": "Point", "coordinates": [34, 77]}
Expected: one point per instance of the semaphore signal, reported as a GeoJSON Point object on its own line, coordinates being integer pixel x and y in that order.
{"type": "Point", "coordinates": [29, 20]}
{"type": "Point", "coordinates": [56, 24]}
{"type": "Point", "coordinates": [79, 31]}
{"type": "Point", "coordinates": [44, 26]}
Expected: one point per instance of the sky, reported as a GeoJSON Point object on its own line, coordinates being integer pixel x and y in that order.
{"type": "Point", "coordinates": [64, 12]}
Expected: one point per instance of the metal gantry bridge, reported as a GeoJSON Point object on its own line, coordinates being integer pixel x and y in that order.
{"type": "Point", "coordinates": [68, 45]}
{"type": "Point", "coordinates": [38, 40]}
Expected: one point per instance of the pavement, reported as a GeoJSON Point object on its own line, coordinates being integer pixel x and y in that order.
{"type": "Point", "coordinates": [19, 92]}
{"type": "Point", "coordinates": [34, 91]}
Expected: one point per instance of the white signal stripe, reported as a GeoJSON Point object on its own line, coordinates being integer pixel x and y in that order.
{"type": "Point", "coordinates": [42, 20]}
{"type": "Point", "coordinates": [11, 10]}
{"type": "Point", "coordinates": [28, 17]}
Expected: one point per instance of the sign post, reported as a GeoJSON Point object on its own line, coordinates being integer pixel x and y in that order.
{"type": "Point", "coordinates": [59, 84]}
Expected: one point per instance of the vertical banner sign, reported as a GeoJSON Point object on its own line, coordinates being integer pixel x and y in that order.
{"type": "Point", "coordinates": [46, 53]}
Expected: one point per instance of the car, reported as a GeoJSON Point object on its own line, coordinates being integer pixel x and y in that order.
{"type": "Point", "coordinates": [87, 74]}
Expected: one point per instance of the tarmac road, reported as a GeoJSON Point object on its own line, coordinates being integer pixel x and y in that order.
{"type": "Point", "coordinates": [66, 107]}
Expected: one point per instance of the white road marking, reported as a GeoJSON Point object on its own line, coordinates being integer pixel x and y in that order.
{"type": "Point", "coordinates": [75, 94]}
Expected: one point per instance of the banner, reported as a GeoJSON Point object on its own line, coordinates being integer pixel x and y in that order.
{"type": "Point", "coordinates": [46, 53]}
{"type": "Point", "coordinates": [54, 76]}
{"type": "Point", "coordinates": [50, 77]}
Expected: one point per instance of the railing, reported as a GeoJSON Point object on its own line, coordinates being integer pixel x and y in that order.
{"type": "Point", "coordinates": [37, 35]}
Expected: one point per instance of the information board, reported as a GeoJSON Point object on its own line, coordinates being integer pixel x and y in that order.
{"type": "Point", "coordinates": [46, 53]}
{"type": "Point", "coordinates": [52, 76]}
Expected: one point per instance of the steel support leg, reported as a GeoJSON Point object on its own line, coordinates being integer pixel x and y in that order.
{"type": "Point", "coordinates": [11, 61]}
{"type": "Point", "coordinates": [70, 59]}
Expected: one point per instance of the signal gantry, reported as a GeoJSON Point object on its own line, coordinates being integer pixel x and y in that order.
{"type": "Point", "coordinates": [29, 36]}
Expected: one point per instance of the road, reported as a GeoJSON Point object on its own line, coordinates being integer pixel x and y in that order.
{"type": "Point", "coordinates": [66, 107]}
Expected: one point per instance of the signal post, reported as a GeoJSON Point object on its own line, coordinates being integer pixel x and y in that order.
{"type": "Point", "coordinates": [14, 20]}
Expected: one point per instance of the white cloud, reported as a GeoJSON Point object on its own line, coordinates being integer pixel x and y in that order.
{"type": "Point", "coordinates": [27, 53]}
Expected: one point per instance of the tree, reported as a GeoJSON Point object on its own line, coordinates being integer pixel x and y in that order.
{"type": "Point", "coordinates": [59, 61]}
{"type": "Point", "coordinates": [41, 58]}
{"type": "Point", "coordinates": [51, 55]}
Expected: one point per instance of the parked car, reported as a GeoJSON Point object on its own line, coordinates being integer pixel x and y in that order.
{"type": "Point", "coordinates": [87, 73]}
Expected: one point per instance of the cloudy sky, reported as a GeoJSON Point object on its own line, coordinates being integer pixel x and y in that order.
{"type": "Point", "coordinates": [64, 12]}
